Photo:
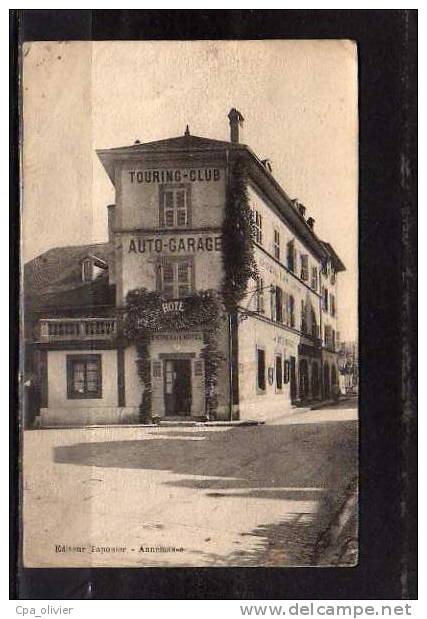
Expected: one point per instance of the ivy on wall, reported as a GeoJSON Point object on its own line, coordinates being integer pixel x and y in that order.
{"type": "Point", "coordinates": [203, 310]}
{"type": "Point", "coordinates": [238, 233]}
{"type": "Point", "coordinates": [145, 315]}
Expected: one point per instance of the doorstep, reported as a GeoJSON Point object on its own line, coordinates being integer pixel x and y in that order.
{"type": "Point", "coordinates": [163, 424]}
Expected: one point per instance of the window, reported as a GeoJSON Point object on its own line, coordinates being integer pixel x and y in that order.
{"type": "Point", "coordinates": [260, 295]}
{"type": "Point", "coordinates": [174, 206]}
{"type": "Point", "coordinates": [291, 255]}
{"type": "Point", "coordinates": [175, 278]}
{"type": "Point", "coordinates": [276, 245]}
{"type": "Point", "coordinates": [333, 307]}
{"type": "Point", "coordinates": [314, 327]}
{"type": "Point", "coordinates": [261, 369]}
{"type": "Point", "coordinates": [286, 372]}
{"type": "Point", "coordinates": [303, 318]}
{"type": "Point", "coordinates": [291, 311]}
{"type": "Point", "coordinates": [333, 340]}
{"type": "Point", "coordinates": [333, 277]}
{"type": "Point", "coordinates": [325, 296]}
{"type": "Point", "coordinates": [87, 270]}
{"type": "Point", "coordinates": [279, 372]}
{"type": "Point", "coordinates": [328, 336]}
{"type": "Point", "coordinates": [258, 227]}
{"type": "Point", "coordinates": [84, 379]}
{"type": "Point", "coordinates": [314, 278]}
{"type": "Point", "coordinates": [304, 267]}
{"type": "Point", "coordinates": [279, 304]}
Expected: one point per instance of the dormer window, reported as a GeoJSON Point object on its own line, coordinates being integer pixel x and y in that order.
{"type": "Point", "coordinates": [87, 270]}
{"type": "Point", "coordinates": [92, 267]}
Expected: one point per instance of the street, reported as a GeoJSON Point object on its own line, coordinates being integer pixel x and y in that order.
{"type": "Point", "coordinates": [192, 496]}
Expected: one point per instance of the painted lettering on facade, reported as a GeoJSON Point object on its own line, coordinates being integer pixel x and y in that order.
{"type": "Point", "coordinates": [172, 306]}
{"type": "Point", "coordinates": [176, 336]}
{"type": "Point", "coordinates": [187, 244]}
{"type": "Point", "coordinates": [202, 175]}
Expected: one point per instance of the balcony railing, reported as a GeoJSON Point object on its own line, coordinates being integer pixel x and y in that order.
{"type": "Point", "coordinates": [62, 329]}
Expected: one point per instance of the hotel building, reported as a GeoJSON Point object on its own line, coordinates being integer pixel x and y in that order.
{"type": "Point", "coordinates": [276, 349]}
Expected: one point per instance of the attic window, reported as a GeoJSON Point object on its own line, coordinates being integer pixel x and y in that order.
{"type": "Point", "coordinates": [87, 270]}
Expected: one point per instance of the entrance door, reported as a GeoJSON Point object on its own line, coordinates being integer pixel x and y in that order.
{"type": "Point", "coordinates": [293, 379]}
{"type": "Point", "coordinates": [177, 386]}
{"type": "Point", "coordinates": [303, 379]}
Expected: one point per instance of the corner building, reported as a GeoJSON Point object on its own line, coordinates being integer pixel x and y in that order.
{"type": "Point", "coordinates": [276, 350]}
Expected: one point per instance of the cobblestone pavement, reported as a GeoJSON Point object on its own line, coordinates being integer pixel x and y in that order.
{"type": "Point", "coordinates": [275, 495]}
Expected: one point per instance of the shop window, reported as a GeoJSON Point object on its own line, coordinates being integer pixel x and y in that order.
{"type": "Point", "coordinates": [261, 369]}
{"type": "Point", "coordinates": [174, 207]}
{"type": "Point", "coordinates": [304, 267]}
{"type": "Point", "coordinates": [258, 227]}
{"type": "Point", "coordinates": [276, 245]}
{"type": "Point", "coordinates": [157, 369]}
{"type": "Point", "coordinates": [279, 372]}
{"type": "Point", "coordinates": [84, 377]}
{"type": "Point", "coordinates": [175, 278]}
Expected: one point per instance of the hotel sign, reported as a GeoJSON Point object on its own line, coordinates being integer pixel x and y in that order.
{"type": "Point", "coordinates": [175, 244]}
{"type": "Point", "coordinates": [173, 306]}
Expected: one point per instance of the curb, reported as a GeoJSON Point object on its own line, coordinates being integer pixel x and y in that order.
{"type": "Point", "coordinates": [162, 424]}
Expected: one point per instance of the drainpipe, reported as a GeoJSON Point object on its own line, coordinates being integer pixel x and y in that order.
{"type": "Point", "coordinates": [230, 352]}
{"type": "Point", "coordinates": [230, 326]}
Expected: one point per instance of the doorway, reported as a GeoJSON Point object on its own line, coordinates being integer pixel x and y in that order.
{"type": "Point", "coordinates": [303, 379]}
{"type": "Point", "coordinates": [293, 379]}
{"type": "Point", "coordinates": [177, 387]}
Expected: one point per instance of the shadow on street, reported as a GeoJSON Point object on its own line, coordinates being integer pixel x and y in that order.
{"type": "Point", "coordinates": [302, 462]}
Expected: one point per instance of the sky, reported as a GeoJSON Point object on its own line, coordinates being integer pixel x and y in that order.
{"type": "Point", "coordinates": [298, 98]}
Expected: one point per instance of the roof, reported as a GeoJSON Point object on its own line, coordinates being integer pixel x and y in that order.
{"type": "Point", "coordinates": [181, 143]}
{"type": "Point", "coordinates": [53, 279]}
{"type": "Point", "coordinates": [336, 260]}
{"type": "Point", "coordinates": [193, 144]}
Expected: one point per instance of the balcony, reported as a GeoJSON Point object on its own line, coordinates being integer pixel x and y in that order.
{"type": "Point", "coordinates": [67, 329]}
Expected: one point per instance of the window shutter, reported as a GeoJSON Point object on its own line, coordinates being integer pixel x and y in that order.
{"type": "Point", "coordinates": [161, 208]}
{"type": "Point", "coordinates": [158, 274]}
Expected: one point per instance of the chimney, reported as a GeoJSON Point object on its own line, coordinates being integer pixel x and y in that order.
{"type": "Point", "coordinates": [300, 207]}
{"type": "Point", "coordinates": [236, 121]}
{"type": "Point", "coordinates": [267, 164]}
{"type": "Point", "coordinates": [111, 221]}
{"type": "Point", "coordinates": [310, 223]}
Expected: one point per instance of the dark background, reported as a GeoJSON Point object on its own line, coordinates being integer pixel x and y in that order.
{"type": "Point", "coordinates": [387, 44]}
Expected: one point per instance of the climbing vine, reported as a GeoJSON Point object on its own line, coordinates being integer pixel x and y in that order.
{"type": "Point", "coordinates": [148, 312]}
{"type": "Point", "coordinates": [238, 232]}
